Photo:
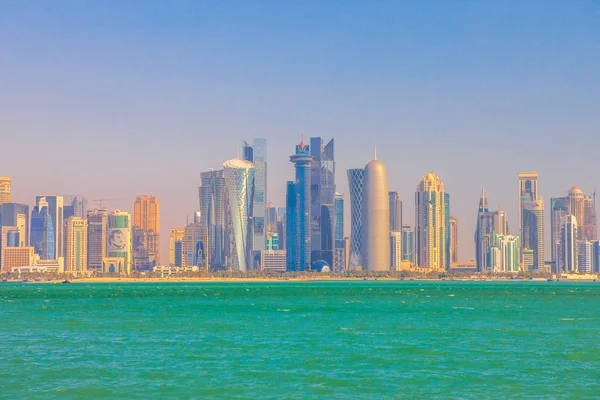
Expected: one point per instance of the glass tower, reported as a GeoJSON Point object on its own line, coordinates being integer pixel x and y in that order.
{"type": "Point", "coordinates": [356, 177]}
{"type": "Point", "coordinates": [292, 237]}
{"type": "Point", "coordinates": [408, 244]}
{"type": "Point", "coordinates": [322, 198]}
{"type": "Point", "coordinates": [239, 183]}
{"type": "Point", "coordinates": [301, 219]}
{"type": "Point", "coordinates": [42, 231]}
{"type": "Point", "coordinates": [55, 210]}
{"type": "Point", "coordinates": [257, 154]}
{"type": "Point", "coordinates": [339, 221]}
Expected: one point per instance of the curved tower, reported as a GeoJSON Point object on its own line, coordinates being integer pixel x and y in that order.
{"type": "Point", "coordinates": [355, 182]}
{"type": "Point", "coordinates": [376, 218]}
{"type": "Point", "coordinates": [239, 184]}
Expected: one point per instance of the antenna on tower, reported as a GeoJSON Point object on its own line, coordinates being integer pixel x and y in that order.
{"type": "Point", "coordinates": [375, 151]}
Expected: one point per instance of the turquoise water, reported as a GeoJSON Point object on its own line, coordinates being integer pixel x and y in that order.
{"type": "Point", "coordinates": [300, 340]}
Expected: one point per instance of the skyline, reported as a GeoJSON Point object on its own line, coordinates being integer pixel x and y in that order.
{"type": "Point", "coordinates": [475, 92]}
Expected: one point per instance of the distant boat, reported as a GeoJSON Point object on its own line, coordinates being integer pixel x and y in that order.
{"type": "Point", "coordinates": [550, 280]}
{"type": "Point", "coordinates": [67, 281]}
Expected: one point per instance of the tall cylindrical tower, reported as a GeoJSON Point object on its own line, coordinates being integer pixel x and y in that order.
{"type": "Point", "coordinates": [376, 218]}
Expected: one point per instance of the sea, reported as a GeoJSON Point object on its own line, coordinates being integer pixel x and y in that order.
{"type": "Point", "coordinates": [300, 340]}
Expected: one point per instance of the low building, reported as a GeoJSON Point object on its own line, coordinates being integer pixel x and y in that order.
{"type": "Point", "coordinates": [18, 257]}
{"type": "Point", "coordinates": [169, 269]}
{"type": "Point", "coordinates": [273, 260]}
{"type": "Point", "coordinates": [114, 265]}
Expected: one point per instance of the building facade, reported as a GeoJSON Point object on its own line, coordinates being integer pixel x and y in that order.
{"type": "Point", "coordinates": [212, 220]}
{"type": "Point", "coordinates": [528, 191]}
{"type": "Point", "coordinates": [533, 231]}
{"type": "Point", "coordinates": [257, 154]}
{"type": "Point", "coordinates": [356, 178]}
{"type": "Point", "coordinates": [118, 238]}
{"type": "Point", "coordinates": [96, 248]}
{"type": "Point", "coordinates": [453, 240]}
{"type": "Point", "coordinates": [14, 214]}
{"type": "Point", "coordinates": [4, 189]}
{"type": "Point", "coordinates": [408, 244]}
{"type": "Point", "coordinates": [376, 218]}
{"type": "Point", "coordinates": [239, 184]}
{"type": "Point", "coordinates": [567, 248]}
{"type": "Point", "coordinates": [146, 233]}
{"type": "Point", "coordinates": [76, 243]}
{"type": "Point", "coordinates": [339, 221]}
{"type": "Point", "coordinates": [430, 217]}
{"type": "Point", "coordinates": [43, 235]}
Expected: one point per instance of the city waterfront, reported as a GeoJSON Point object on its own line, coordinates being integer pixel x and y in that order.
{"type": "Point", "coordinates": [344, 339]}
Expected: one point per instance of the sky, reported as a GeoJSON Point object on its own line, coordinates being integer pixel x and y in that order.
{"type": "Point", "coordinates": [113, 99]}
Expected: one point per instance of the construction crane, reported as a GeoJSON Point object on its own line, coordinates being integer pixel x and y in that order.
{"type": "Point", "coordinates": [101, 201]}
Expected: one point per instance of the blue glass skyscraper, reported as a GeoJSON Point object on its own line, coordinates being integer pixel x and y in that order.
{"type": "Point", "coordinates": [339, 221]}
{"type": "Point", "coordinates": [291, 234]}
{"type": "Point", "coordinates": [322, 197]}
{"type": "Point", "coordinates": [42, 231]}
{"type": "Point", "coordinates": [301, 216]}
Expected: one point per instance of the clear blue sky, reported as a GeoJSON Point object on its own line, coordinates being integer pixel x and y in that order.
{"type": "Point", "coordinates": [120, 98]}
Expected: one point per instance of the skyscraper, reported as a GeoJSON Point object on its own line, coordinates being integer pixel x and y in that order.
{"type": "Point", "coordinates": [239, 184]}
{"type": "Point", "coordinates": [339, 221]}
{"type": "Point", "coordinates": [212, 221]}
{"type": "Point", "coordinates": [395, 250]}
{"type": "Point", "coordinates": [43, 235]}
{"type": "Point", "coordinates": [533, 231]}
{"type": "Point", "coordinates": [299, 210]}
{"type": "Point", "coordinates": [76, 243]}
{"type": "Point", "coordinates": [118, 237]}
{"type": "Point", "coordinates": [55, 210]}
{"type": "Point", "coordinates": [584, 256]}
{"type": "Point", "coordinates": [408, 244]}
{"type": "Point", "coordinates": [453, 241]}
{"type": "Point", "coordinates": [146, 233]}
{"type": "Point", "coordinates": [567, 248]}
{"type": "Point", "coordinates": [559, 208]}
{"type": "Point", "coordinates": [590, 228]}
{"type": "Point", "coordinates": [430, 217]}
{"type": "Point", "coordinates": [447, 246]}
{"type": "Point", "coordinates": [577, 208]}
{"type": "Point", "coordinates": [257, 154]}
{"type": "Point", "coordinates": [175, 235]}
{"type": "Point", "coordinates": [96, 248]}
{"type": "Point", "coordinates": [528, 191]}
{"type": "Point", "coordinates": [75, 206]}
{"type": "Point", "coordinates": [488, 222]}
{"type": "Point", "coordinates": [322, 195]}
{"type": "Point", "coordinates": [376, 218]}
{"type": "Point", "coordinates": [395, 212]}
{"type": "Point", "coordinates": [4, 189]}
{"type": "Point", "coordinates": [14, 214]}
{"type": "Point", "coordinates": [356, 183]}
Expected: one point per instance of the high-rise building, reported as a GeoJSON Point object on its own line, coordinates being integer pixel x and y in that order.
{"type": "Point", "coordinates": [298, 217]}
{"type": "Point", "coordinates": [339, 221]}
{"type": "Point", "coordinates": [322, 196]}
{"type": "Point", "coordinates": [395, 250]}
{"type": "Point", "coordinates": [277, 224]}
{"type": "Point", "coordinates": [584, 256]}
{"type": "Point", "coordinates": [533, 231]}
{"type": "Point", "coordinates": [146, 233]}
{"type": "Point", "coordinates": [257, 154]}
{"type": "Point", "coordinates": [528, 191]}
{"type": "Point", "coordinates": [55, 210]}
{"type": "Point", "coordinates": [408, 244]}
{"type": "Point", "coordinates": [501, 253]}
{"type": "Point", "coordinates": [488, 222]}
{"type": "Point", "coordinates": [4, 189]}
{"type": "Point", "coordinates": [8, 237]}
{"type": "Point", "coordinates": [590, 223]}
{"type": "Point", "coordinates": [376, 218]}
{"type": "Point", "coordinates": [567, 248]}
{"type": "Point", "coordinates": [212, 211]}
{"type": "Point", "coordinates": [447, 245]}
{"type": "Point", "coordinates": [430, 217]}
{"type": "Point", "coordinates": [96, 247]}
{"type": "Point", "coordinates": [559, 208]}
{"type": "Point", "coordinates": [14, 214]}
{"type": "Point", "coordinates": [175, 235]}
{"type": "Point", "coordinates": [74, 206]}
{"type": "Point", "coordinates": [395, 212]}
{"type": "Point", "coordinates": [356, 178]}
{"type": "Point", "coordinates": [118, 237]}
{"type": "Point", "coordinates": [43, 234]}
{"type": "Point", "coordinates": [453, 241]}
{"type": "Point", "coordinates": [596, 256]}
{"type": "Point", "coordinates": [239, 184]}
{"type": "Point", "coordinates": [577, 208]}
{"type": "Point", "coordinates": [76, 240]}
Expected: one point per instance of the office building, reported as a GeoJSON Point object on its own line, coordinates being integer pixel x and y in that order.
{"type": "Point", "coordinates": [18, 258]}
{"type": "Point", "coordinates": [273, 260]}
{"type": "Point", "coordinates": [74, 206]}
{"type": "Point", "coordinates": [322, 197]}
{"type": "Point", "coordinates": [118, 238]}
{"type": "Point", "coordinates": [596, 256]}
{"type": "Point", "coordinates": [560, 207]}
{"type": "Point", "coordinates": [395, 250]}
{"type": "Point", "coordinates": [54, 205]}
{"type": "Point", "coordinates": [146, 233]}
{"type": "Point", "coordinates": [488, 222]}
{"type": "Point", "coordinates": [430, 217]}
{"type": "Point", "coordinates": [115, 265]}
{"type": "Point", "coordinates": [76, 242]}
{"type": "Point", "coordinates": [453, 241]}
{"type": "Point", "coordinates": [212, 221]}
{"type": "Point", "coordinates": [298, 211]}
{"type": "Point", "coordinates": [4, 190]}
{"type": "Point", "coordinates": [339, 221]}
{"type": "Point", "coordinates": [577, 207]}
{"type": "Point", "coordinates": [96, 247]}
{"type": "Point", "coordinates": [14, 214]}
{"type": "Point", "coordinates": [408, 244]}
{"type": "Point", "coordinates": [528, 256]}
{"type": "Point", "coordinates": [567, 248]}
{"type": "Point", "coordinates": [590, 223]}
{"type": "Point", "coordinates": [239, 184]}
{"type": "Point", "coordinates": [533, 230]}
{"type": "Point", "coordinates": [395, 212]}
{"type": "Point", "coordinates": [447, 229]}
{"type": "Point", "coordinates": [584, 256]}
{"type": "Point", "coordinates": [193, 252]}
{"type": "Point", "coordinates": [175, 235]}
{"type": "Point", "coordinates": [356, 183]}
{"type": "Point", "coordinates": [43, 234]}
{"type": "Point", "coordinates": [376, 218]}
{"type": "Point", "coordinates": [528, 191]}
{"type": "Point", "coordinates": [8, 238]}
{"type": "Point", "coordinates": [257, 154]}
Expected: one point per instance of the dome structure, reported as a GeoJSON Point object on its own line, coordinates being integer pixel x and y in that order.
{"type": "Point", "coordinates": [320, 266]}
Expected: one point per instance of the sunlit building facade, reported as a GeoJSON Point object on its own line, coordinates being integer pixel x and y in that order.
{"type": "Point", "coordinates": [76, 243]}
{"type": "Point", "coordinates": [4, 189]}
{"type": "Point", "coordinates": [15, 214]}
{"type": "Point", "coordinates": [376, 218]}
{"type": "Point", "coordinates": [533, 231]}
{"type": "Point", "coordinates": [430, 217]}
{"type": "Point", "coordinates": [567, 248]}
{"type": "Point", "coordinates": [118, 238]}
{"type": "Point", "coordinates": [257, 154]}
